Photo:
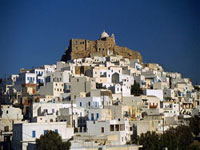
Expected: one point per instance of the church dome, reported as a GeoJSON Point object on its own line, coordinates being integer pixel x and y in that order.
{"type": "Point", "coordinates": [104, 35]}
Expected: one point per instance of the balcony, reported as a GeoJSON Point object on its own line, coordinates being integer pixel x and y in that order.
{"type": "Point", "coordinates": [153, 106]}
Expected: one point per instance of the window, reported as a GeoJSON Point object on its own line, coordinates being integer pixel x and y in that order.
{"type": "Point", "coordinates": [33, 133]}
{"type": "Point", "coordinates": [102, 129]}
{"type": "Point", "coordinates": [111, 127]}
{"type": "Point", "coordinates": [88, 103]}
{"type": "Point", "coordinates": [97, 115]}
{"type": "Point", "coordinates": [56, 130]}
{"type": "Point", "coordinates": [6, 128]}
{"type": "Point", "coordinates": [117, 127]}
{"type": "Point", "coordinates": [45, 131]}
{"type": "Point", "coordinates": [30, 79]}
{"type": "Point", "coordinates": [80, 104]}
{"type": "Point", "coordinates": [92, 116]}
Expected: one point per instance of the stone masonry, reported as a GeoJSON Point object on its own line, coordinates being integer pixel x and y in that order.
{"type": "Point", "coordinates": [105, 46]}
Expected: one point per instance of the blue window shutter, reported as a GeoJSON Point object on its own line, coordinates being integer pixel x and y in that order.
{"type": "Point", "coordinates": [92, 116]}
{"type": "Point", "coordinates": [97, 115]}
{"type": "Point", "coordinates": [45, 131]}
{"type": "Point", "coordinates": [33, 134]}
{"type": "Point", "coordinates": [56, 130]}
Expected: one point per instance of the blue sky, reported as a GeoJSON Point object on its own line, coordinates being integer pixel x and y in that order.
{"type": "Point", "coordinates": [35, 32]}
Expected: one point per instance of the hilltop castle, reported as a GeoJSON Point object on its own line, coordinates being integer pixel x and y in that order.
{"type": "Point", "coordinates": [105, 46]}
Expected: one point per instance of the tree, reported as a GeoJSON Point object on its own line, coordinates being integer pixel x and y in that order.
{"type": "Point", "coordinates": [150, 141]}
{"type": "Point", "coordinates": [135, 89]}
{"type": "Point", "coordinates": [52, 141]}
{"type": "Point", "coordinates": [195, 146]}
{"type": "Point", "coordinates": [169, 139]}
{"type": "Point", "coordinates": [173, 139]}
{"type": "Point", "coordinates": [177, 138]}
{"type": "Point", "coordinates": [184, 136]}
{"type": "Point", "coordinates": [195, 125]}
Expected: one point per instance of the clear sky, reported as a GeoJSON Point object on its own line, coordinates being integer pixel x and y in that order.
{"type": "Point", "coordinates": [37, 32]}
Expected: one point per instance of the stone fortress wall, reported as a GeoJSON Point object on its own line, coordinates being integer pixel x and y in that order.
{"type": "Point", "coordinates": [105, 46]}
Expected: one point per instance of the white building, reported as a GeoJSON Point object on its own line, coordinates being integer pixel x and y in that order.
{"type": "Point", "coordinates": [42, 109]}
{"type": "Point", "coordinates": [99, 114]}
{"type": "Point", "coordinates": [61, 66]}
{"type": "Point", "coordinates": [8, 116]}
{"type": "Point", "coordinates": [81, 85]}
{"type": "Point", "coordinates": [54, 89]}
{"type": "Point", "coordinates": [157, 93]}
{"type": "Point", "coordinates": [121, 127]}
{"type": "Point", "coordinates": [58, 77]}
{"type": "Point", "coordinates": [93, 102]}
{"type": "Point", "coordinates": [25, 134]}
{"type": "Point", "coordinates": [27, 77]}
{"type": "Point", "coordinates": [169, 93]}
{"type": "Point", "coordinates": [171, 109]}
{"type": "Point", "coordinates": [49, 69]}
{"type": "Point", "coordinates": [160, 85]}
{"type": "Point", "coordinates": [40, 73]}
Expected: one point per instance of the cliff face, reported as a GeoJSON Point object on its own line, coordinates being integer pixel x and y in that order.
{"type": "Point", "coordinates": [105, 46]}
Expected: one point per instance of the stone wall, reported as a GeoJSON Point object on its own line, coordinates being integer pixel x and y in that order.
{"type": "Point", "coordinates": [81, 48]}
